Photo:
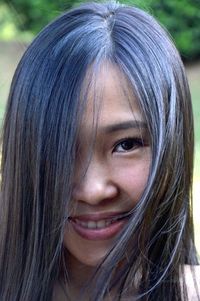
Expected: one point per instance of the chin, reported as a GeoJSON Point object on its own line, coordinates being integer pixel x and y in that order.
{"type": "Point", "coordinates": [90, 259]}
{"type": "Point", "coordinates": [86, 252]}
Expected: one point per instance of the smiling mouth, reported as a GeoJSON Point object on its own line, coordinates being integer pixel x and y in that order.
{"type": "Point", "coordinates": [94, 227]}
{"type": "Point", "coordinates": [100, 224]}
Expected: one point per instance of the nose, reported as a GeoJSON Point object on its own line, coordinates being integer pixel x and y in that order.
{"type": "Point", "coordinates": [95, 186]}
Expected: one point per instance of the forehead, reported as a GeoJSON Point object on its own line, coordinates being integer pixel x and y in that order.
{"type": "Point", "coordinates": [110, 98]}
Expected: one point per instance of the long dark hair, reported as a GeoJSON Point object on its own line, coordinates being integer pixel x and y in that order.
{"type": "Point", "coordinates": [39, 154]}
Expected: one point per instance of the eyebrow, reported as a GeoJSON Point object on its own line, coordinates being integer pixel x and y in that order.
{"type": "Point", "coordinates": [136, 124]}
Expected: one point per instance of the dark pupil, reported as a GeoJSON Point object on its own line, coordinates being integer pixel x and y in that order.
{"type": "Point", "coordinates": [128, 144]}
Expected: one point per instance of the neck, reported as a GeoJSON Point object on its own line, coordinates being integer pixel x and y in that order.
{"type": "Point", "coordinates": [79, 276]}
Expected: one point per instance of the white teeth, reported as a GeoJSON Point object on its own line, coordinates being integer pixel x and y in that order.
{"type": "Point", "coordinates": [93, 224]}
{"type": "Point", "coordinates": [101, 224]}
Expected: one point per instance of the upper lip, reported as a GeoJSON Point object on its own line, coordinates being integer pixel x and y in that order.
{"type": "Point", "coordinates": [97, 216]}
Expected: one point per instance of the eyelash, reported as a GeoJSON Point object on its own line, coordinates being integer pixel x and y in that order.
{"type": "Point", "coordinates": [136, 143]}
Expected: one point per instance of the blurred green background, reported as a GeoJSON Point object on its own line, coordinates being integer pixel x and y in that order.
{"type": "Point", "coordinates": [20, 20]}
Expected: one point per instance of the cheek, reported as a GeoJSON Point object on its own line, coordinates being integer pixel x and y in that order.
{"type": "Point", "coordinates": [132, 179]}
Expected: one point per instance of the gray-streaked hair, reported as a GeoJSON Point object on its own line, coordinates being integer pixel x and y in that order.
{"type": "Point", "coordinates": [39, 154]}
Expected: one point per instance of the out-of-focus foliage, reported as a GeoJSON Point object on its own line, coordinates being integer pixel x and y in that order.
{"type": "Point", "coordinates": [8, 28]}
{"type": "Point", "coordinates": [180, 17]}
{"type": "Point", "coordinates": [32, 15]}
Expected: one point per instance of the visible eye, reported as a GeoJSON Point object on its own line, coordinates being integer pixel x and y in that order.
{"type": "Point", "coordinates": [128, 144]}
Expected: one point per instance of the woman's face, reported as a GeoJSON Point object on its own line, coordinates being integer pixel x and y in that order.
{"type": "Point", "coordinates": [111, 171]}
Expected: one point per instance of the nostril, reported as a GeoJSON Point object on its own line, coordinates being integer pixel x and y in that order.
{"type": "Point", "coordinates": [95, 193]}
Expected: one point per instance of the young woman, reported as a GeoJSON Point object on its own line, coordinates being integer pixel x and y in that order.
{"type": "Point", "coordinates": [97, 164]}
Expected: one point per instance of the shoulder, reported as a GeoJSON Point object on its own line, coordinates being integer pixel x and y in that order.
{"type": "Point", "coordinates": [192, 281]}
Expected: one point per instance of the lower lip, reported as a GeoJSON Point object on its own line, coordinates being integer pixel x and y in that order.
{"type": "Point", "coordinates": [99, 234]}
